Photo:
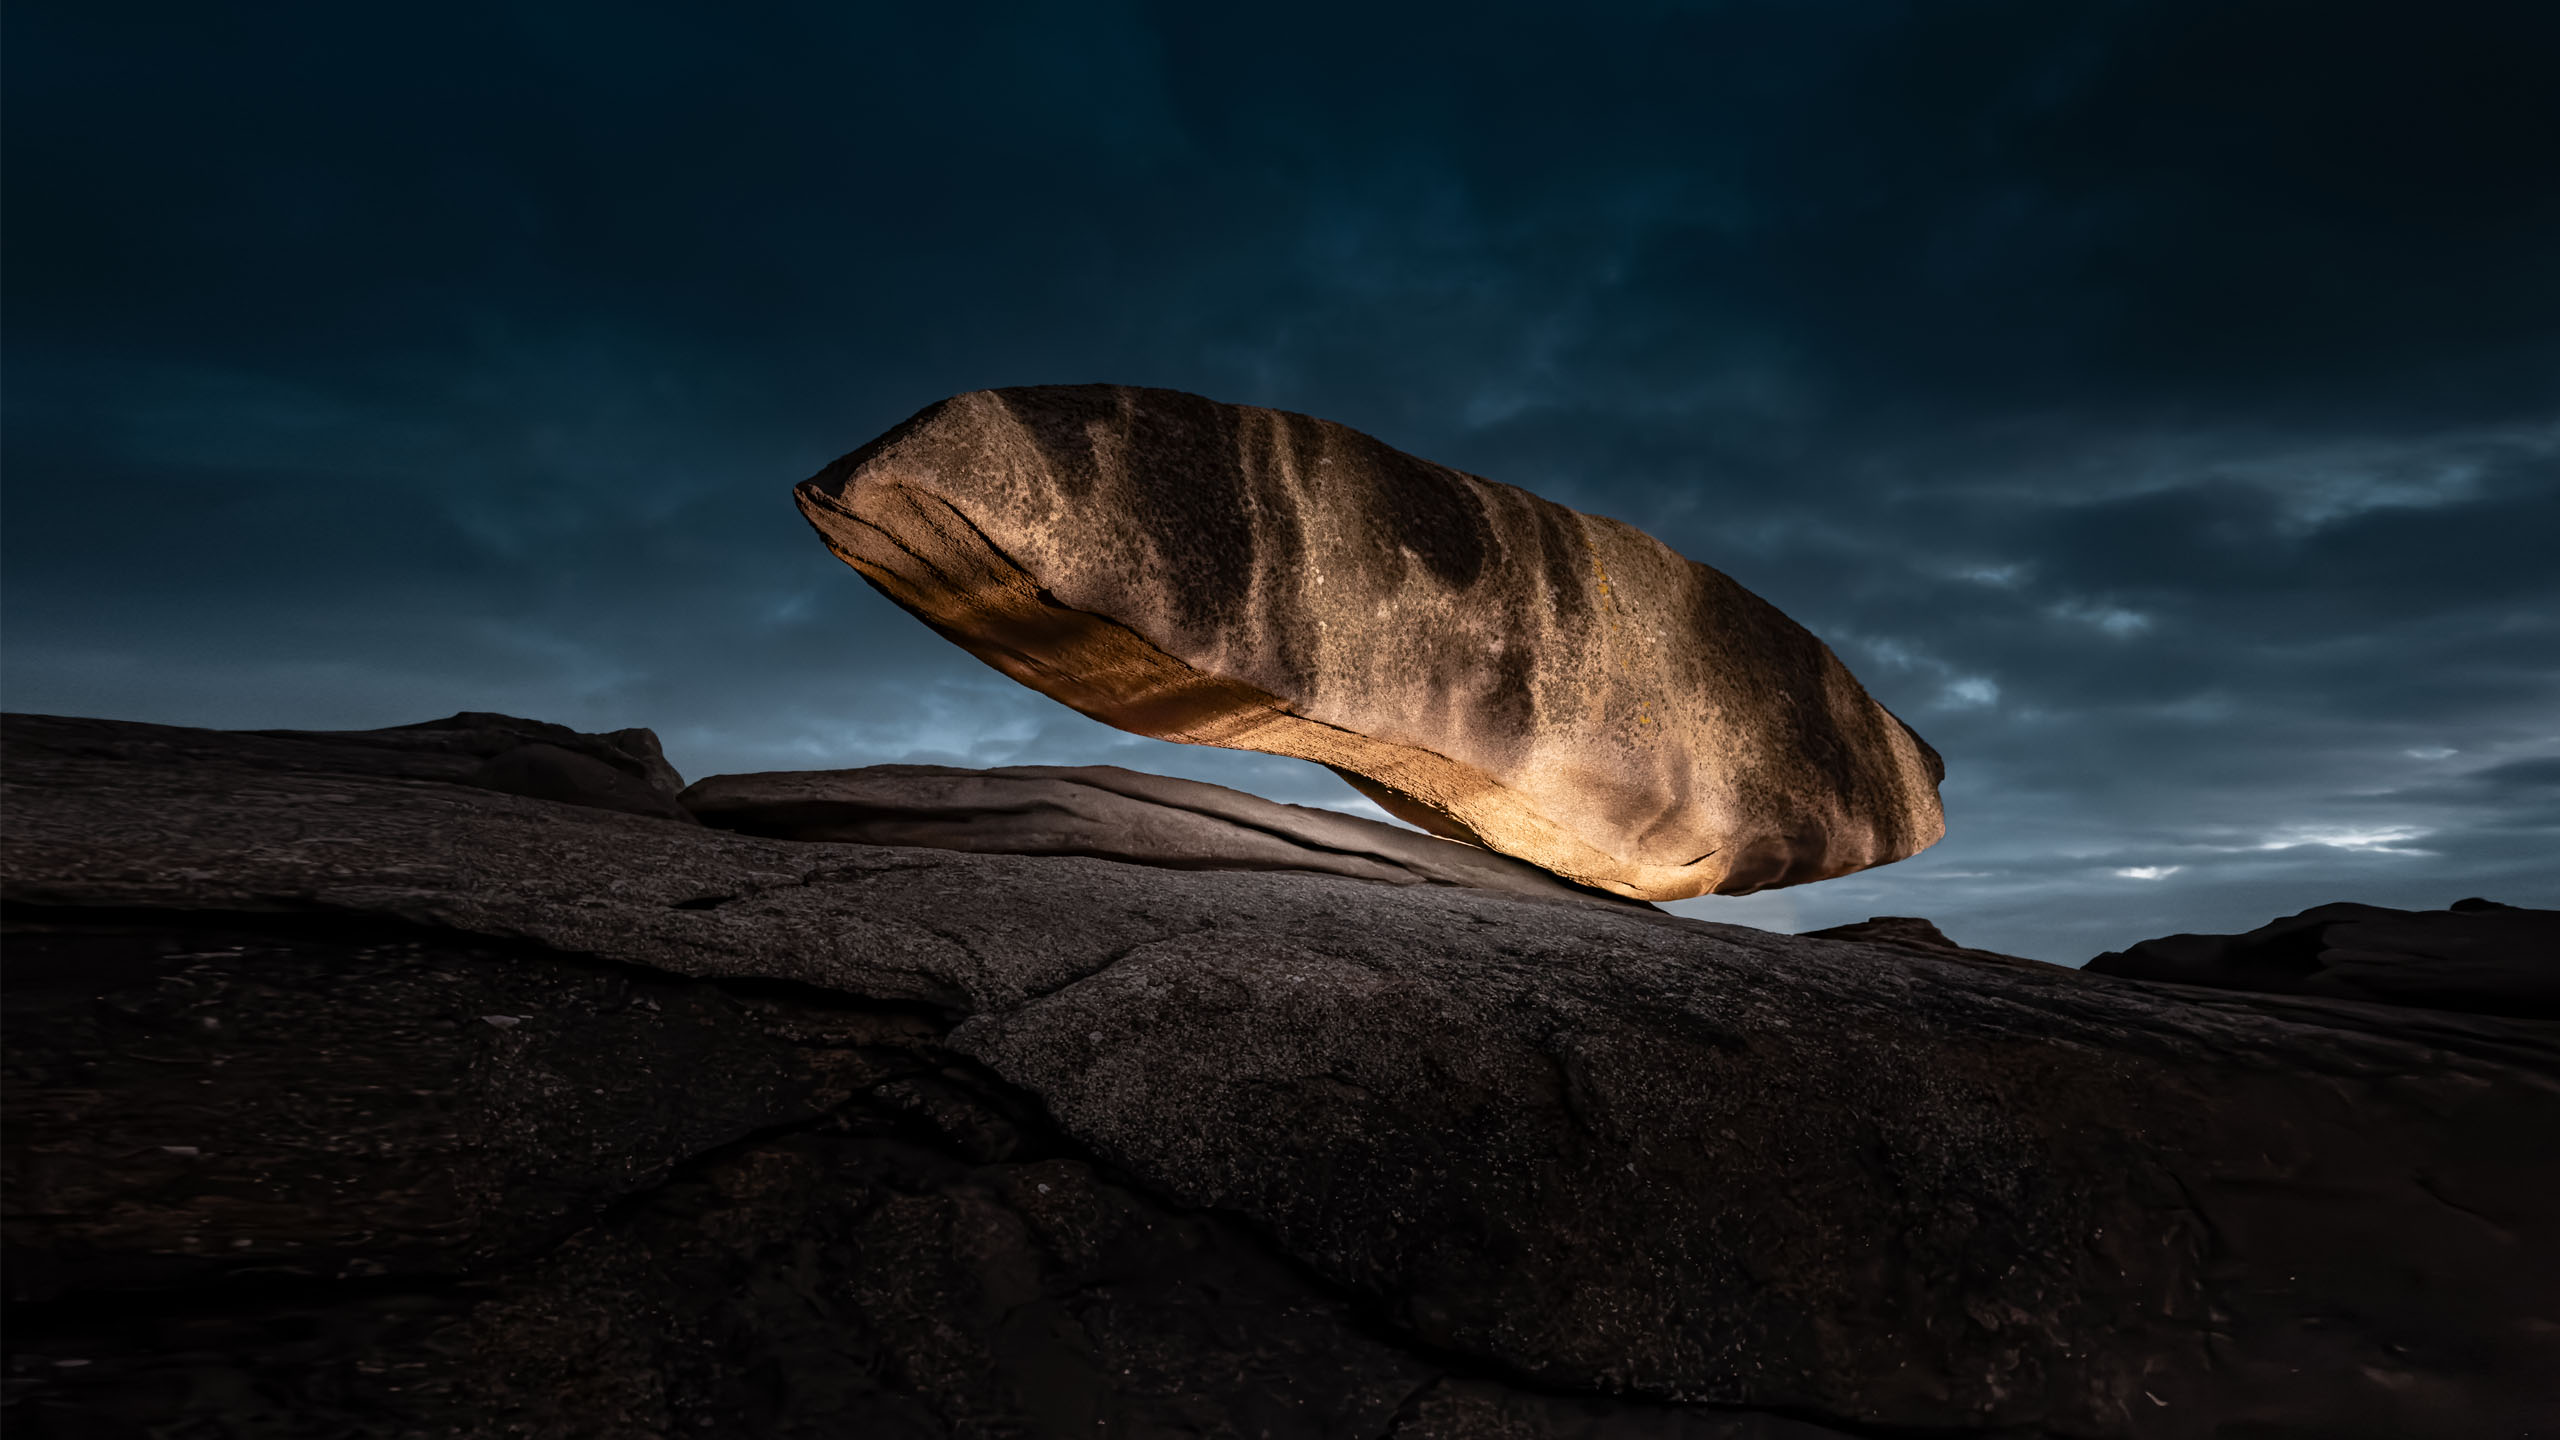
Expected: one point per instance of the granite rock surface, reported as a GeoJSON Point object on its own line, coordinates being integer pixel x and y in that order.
{"type": "Point", "coordinates": [346, 1099]}
{"type": "Point", "coordinates": [1483, 663]}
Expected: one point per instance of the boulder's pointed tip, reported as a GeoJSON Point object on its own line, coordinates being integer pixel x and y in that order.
{"type": "Point", "coordinates": [821, 498]}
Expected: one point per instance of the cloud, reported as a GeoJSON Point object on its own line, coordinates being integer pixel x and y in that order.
{"type": "Point", "coordinates": [1970, 692]}
{"type": "Point", "coordinates": [2113, 620]}
{"type": "Point", "coordinates": [2385, 840]}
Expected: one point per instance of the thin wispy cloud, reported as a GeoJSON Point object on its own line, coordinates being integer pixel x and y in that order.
{"type": "Point", "coordinates": [2387, 840]}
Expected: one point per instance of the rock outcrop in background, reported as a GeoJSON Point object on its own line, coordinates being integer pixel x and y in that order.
{"type": "Point", "coordinates": [2476, 955]}
{"type": "Point", "coordinates": [349, 1094]}
{"type": "Point", "coordinates": [1483, 663]}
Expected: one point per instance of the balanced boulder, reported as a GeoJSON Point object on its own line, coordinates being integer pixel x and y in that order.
{"type": "Point", "coordinates": [1488, 665]}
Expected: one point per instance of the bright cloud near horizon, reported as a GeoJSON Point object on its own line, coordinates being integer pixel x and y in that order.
{"type": "Point", "coordinates": [2156, 404]}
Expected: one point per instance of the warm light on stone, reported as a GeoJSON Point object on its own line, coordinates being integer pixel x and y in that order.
{"type": "Point", "coordinates": [1486, 664]}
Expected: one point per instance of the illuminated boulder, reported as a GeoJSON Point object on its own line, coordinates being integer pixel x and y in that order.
{"type": "Point", "coordinates": [1488, 665]}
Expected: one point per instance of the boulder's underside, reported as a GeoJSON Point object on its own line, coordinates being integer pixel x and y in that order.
{"type": "Point", "coordinates": [351, 1091]}
{"type": "Point", "coordinates": [1485, 664]}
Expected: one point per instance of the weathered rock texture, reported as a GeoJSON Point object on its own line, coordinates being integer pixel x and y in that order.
{"type": "Point", "coordinates": [2478, 955]}
{"type": "Point", "coordinates": [1483, 663]}
{"type": "Point", "coordinates": [1102, 811]}
{"type": "Point", "coordinates": [344, 1100]}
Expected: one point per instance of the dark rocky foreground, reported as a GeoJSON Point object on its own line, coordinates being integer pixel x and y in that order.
{"type": "Point", "coordinates": [351, 1090]}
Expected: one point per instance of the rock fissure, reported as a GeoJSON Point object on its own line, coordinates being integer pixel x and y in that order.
{"type": "Point", "coordinates": [1408, 1409]}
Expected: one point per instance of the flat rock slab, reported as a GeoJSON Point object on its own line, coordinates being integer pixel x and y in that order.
{"type": "Point", "coordinates": [1101, 811]}
{"type": "Point", "coordinates": [768, 1136]}
{"type": "Point", "coordinates": [1483, 663]}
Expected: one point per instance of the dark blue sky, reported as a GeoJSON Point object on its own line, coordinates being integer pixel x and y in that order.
{"type": "Point", "coordinates": [2157, 404]}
